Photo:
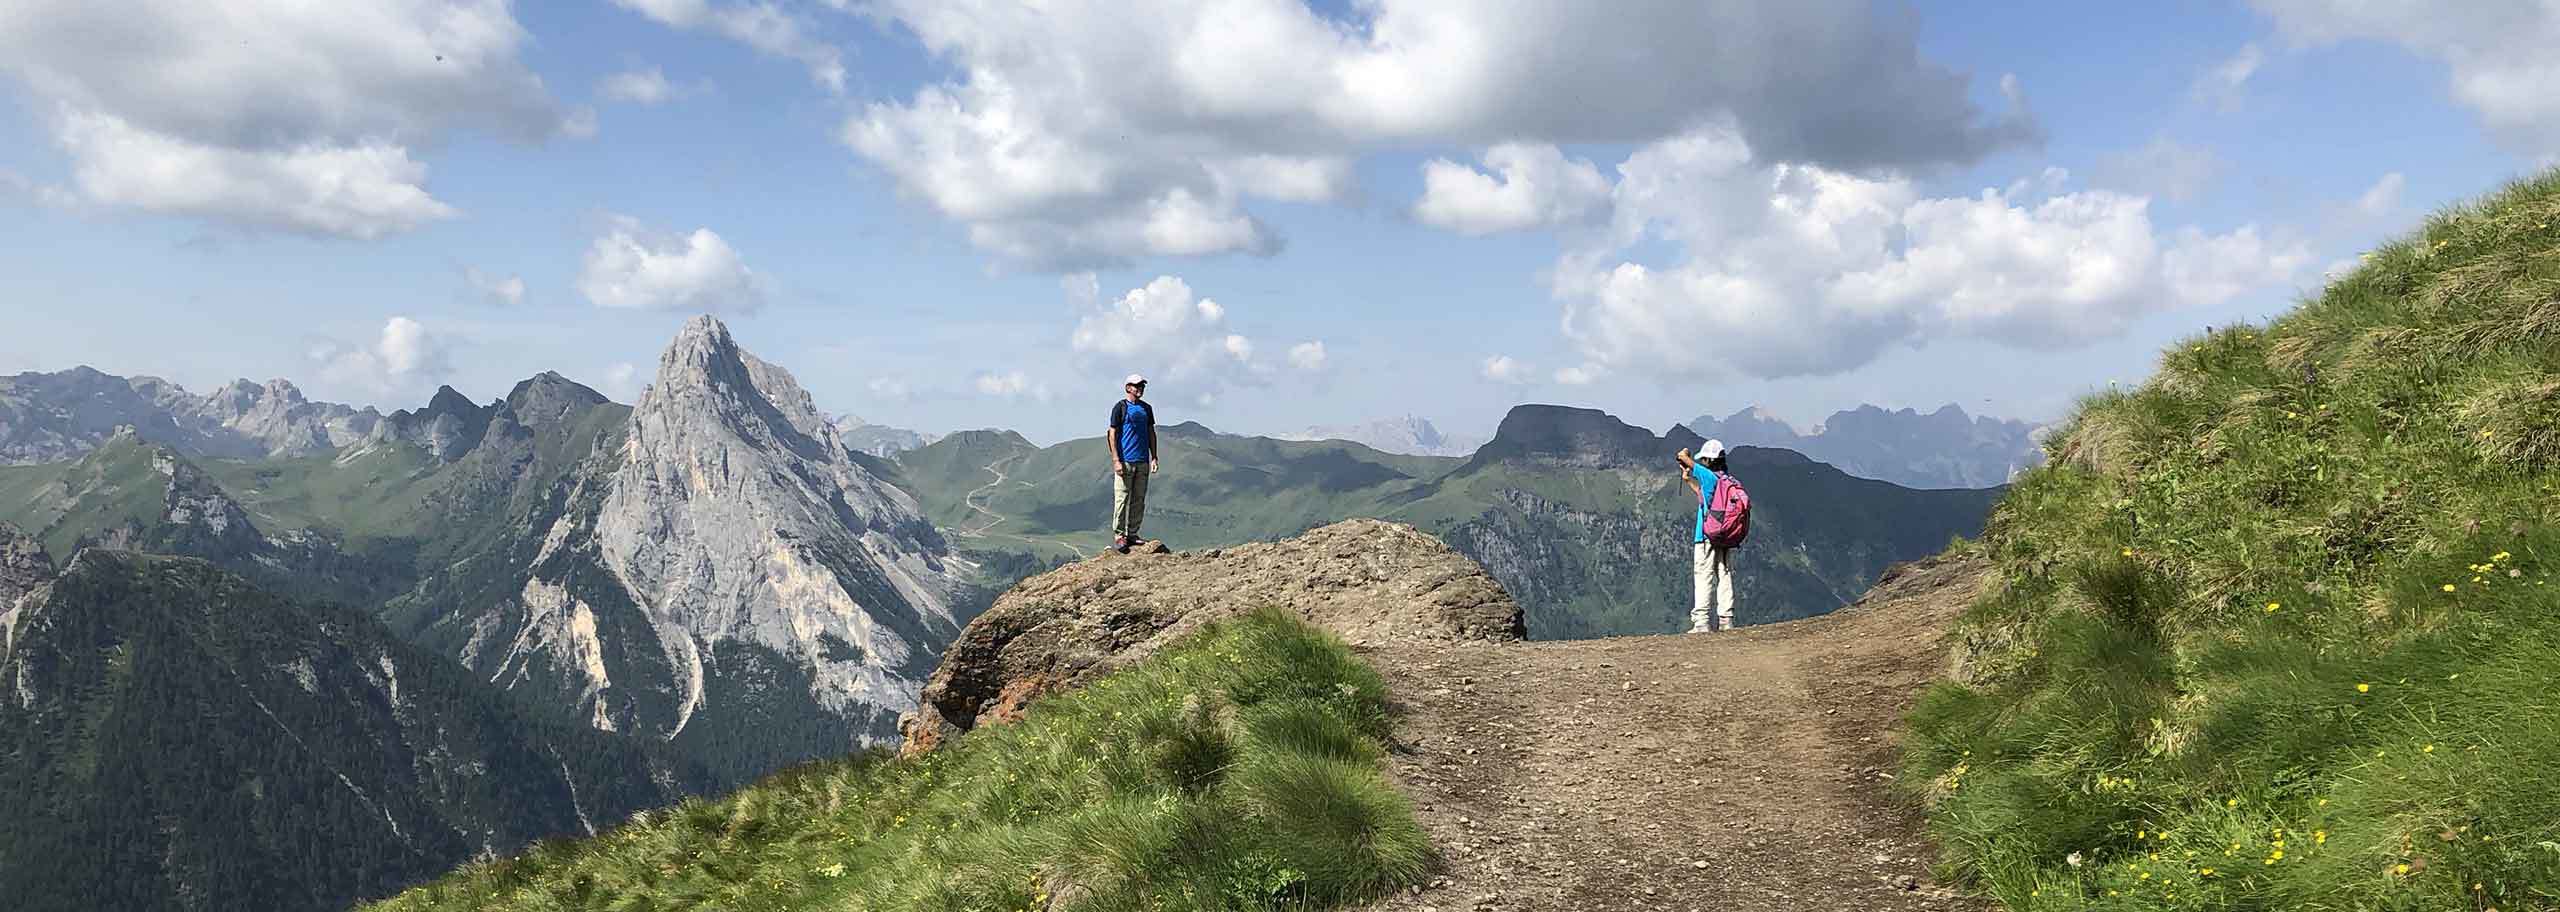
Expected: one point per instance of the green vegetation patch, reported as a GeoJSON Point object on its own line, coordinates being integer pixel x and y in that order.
{"type": "Point", "coordinates": [2277, 629]}
{"type": "Point", "coordinates": [1238, 770]}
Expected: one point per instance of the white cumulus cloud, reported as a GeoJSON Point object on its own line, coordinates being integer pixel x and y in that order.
{"type": "Point", "coordinates": [361, 191]}
{"type": "Point", "coordinates": [2499, 53]}
{"type": "Point", "coordinates": [647, 86]}
{"type": "Point", "coordinates": [273, 114]}
{"type": "Point", "coordinates": [1079, 134]}
{"type": "Point", "coordinates": [1801, 270]}
{"type": "Point", "coordinates": [403, 358]}
{"type": "Point", "coordinates": [1181, 340]}
{"type": "Point", "coordinates": [2221, 86]}
{"type": "Point", "coordinates": [764, 25]}
{"type": "Point", "coordinates": [1012, 385]}
{"type": "Point", "coordinates": [495, 289]}
{"type": "Point", "coordinates": [2383, 197]}
{"type": "Point", "coordinates": [1533, 186]}
{"type": "Point", "coordinates": [1505, 369]}
{"type": "Point", "coordinates": [623, 382]}
{"type": "Point", "coordinates": [631, 267]}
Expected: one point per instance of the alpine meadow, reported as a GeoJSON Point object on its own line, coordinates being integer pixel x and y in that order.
{"type": "Point", "coordinates": [2275, 630]}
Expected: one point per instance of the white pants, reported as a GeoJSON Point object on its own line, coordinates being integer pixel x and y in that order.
{"type": "Point", "coordinates": [1711, 599]}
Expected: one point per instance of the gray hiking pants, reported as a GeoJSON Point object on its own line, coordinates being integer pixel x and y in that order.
{"type": "Point", "coordinates": [1711, 599]}
{"type": "Point", "coordinates": [1128, 499]}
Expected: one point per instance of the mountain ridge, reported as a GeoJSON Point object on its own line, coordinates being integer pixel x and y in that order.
{"type": "Point", "coordinates": [325, 761]}
{"type": "Point", "coordinates": [1945, 448]}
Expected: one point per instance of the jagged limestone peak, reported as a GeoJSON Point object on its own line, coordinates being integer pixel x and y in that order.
{"type": "Point", "coordinates": [737, 515]}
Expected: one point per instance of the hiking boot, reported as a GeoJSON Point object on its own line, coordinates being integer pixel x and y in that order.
{"type": "Point", "coordinates": [1120, 543]}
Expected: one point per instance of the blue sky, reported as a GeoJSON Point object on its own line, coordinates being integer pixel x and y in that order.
{"type": "Point", "coordinates": [964, 214]}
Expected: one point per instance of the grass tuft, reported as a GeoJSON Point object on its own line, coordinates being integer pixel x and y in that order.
{"type": "Point", "coordinates": [2276, 630]}
{"type": "Point", "coordinates": [1235, 771]}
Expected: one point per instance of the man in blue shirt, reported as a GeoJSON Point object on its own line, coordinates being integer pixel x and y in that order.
{"type": "Point", "coordinates": [1711, 567]}
{"type": "Point", "coordinates": [1133, 459]}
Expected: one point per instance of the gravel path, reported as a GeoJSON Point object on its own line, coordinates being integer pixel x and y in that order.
{"type": "Point", "coordinates": [1740, 771]}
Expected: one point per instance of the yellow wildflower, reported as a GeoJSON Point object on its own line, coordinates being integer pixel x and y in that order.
{"type": "Point", "coordinates": [2272, 606]}
{"type": "Point", "coordinates": [2448, 587]}
{"type": "Point", "coordinates": [2364, 688]}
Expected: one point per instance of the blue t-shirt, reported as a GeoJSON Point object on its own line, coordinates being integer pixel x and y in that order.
{"type": "Point", "coordinates": [1136, 425]}
{"type": "Point", "coordinates": [1707, 494]}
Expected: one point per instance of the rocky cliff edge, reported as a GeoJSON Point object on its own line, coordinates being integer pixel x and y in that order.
{"type": "Point", "coordinates": [1367, 581]}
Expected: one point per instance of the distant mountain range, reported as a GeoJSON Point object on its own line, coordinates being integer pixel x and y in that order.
{"type": "Point", "coordinates": [879, 439]}
{"type": "Point", "coordinates": [1941, 449]}
{"type": "Point", "coordinates": [711, 577]}
{"type": "Point", "coordinates": [443, 632]}
{"type": "Point", "coordinates": [1580, 515]}
{"type": "Point", "coordinates": [1408, 436]}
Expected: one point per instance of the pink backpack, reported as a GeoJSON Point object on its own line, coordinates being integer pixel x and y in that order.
{"type": "Point", "coordinates": [1728, 513]}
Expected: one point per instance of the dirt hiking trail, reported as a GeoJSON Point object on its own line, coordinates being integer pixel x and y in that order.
{"type": "Point", "coordinates": [1748, 770]}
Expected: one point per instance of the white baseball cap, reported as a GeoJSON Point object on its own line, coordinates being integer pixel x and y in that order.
{"type": "Point", "coordinates": [1713, 449]}
{"type": "Point", "coordinates": [1135, 380]}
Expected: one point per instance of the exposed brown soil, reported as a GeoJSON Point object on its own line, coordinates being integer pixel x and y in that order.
{"type": "Point", "coordinates": [1737, 771]}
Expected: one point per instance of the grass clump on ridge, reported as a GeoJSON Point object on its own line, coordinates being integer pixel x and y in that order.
{"type": "Point", "coordinates": [2277, 630]}
{"type": "Point", "coordinates": [1237, 770]}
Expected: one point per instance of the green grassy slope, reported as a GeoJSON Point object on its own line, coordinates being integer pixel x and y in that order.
{"type": "Point", "coordinates": [1239, 770]}
{"type": "Point", "coordinates": [60, 503]}
{"type": "Point", "coordinates": [2276, 628]}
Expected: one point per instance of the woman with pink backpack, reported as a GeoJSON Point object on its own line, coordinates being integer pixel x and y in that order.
{"type": "Point", "coordinates": [1724, 517]}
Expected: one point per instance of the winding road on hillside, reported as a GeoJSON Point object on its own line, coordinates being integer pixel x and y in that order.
{"type": "Point", "coordinates": [994, 518]}
{"type": "Point", "coordinates": [1739, 771]}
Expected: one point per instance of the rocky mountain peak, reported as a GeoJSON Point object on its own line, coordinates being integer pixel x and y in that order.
{"type": "Point", "coordinates": [449, 401]}
{"type": "Point", "coordinates": [1578, 436]}
{"type": "Point", "coordinates": [548, 396]}
{"type": "Point", "coordinates": [737, 516]}
{"type": "Point", "coordinates": [449, 427]}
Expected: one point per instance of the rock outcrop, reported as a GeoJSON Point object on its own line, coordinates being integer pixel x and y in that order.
{"type": "Point", "coordinates": [737, 515]}
{"type": "Point", "coordinates": [449, 427]}
{"type": "Point", "coordinates": [275, 419]}
{"type": "Point", "coordinates": [1368, 581]}
{"type": "Point", "coordinates": [23, 567]}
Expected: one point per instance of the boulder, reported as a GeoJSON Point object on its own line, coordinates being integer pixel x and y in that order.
{"type": "Point", "coordinates": [1367, 581]}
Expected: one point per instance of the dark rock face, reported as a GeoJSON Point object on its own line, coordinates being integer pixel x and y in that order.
{"type": "Point", "coordinates": [23, 564]}
{"type": "Point", "coordinates": [1368, 581]}
{"type": "Point", "coordinates": [1576, 436]}
{"type": "Point", "coordinates": [23, 567]}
